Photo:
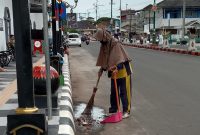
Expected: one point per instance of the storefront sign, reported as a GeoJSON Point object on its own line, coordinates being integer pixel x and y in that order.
{"type": "Point", "coordinates": [1, 24]}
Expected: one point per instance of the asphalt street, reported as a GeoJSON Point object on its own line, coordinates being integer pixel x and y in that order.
{"type": "Point", "coordinates": [166, 91]}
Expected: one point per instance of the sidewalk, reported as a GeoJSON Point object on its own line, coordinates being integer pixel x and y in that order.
{"type": "Point", "coordinates": [62, 122]}
{"type": "Point", "coordinates": [174, 48]}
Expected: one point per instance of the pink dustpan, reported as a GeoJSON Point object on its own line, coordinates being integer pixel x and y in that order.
{"type": "Point", "coordinates": [117, 117]}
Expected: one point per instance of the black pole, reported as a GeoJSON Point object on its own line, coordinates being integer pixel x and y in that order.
{"type": "Point", "coordinates": [22, 29]}
{"type": "Point", "coordinates": [154, 24]}
{"type": "Point", "coordinates": [26, 113]}
{"type": "Point", "coordinates": [54, 28]}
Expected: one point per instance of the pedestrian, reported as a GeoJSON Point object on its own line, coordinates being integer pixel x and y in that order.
{"type": "Point", "coordinates": [11, 42]}
{"type": "Point", "coordinates": [11, 45]}
{"type": "Point", "coordinates": [114, 59]}
{"type": "Point", "coordinates": [2, 69]}
{"type": "Point", "coordinates": [116, 35]}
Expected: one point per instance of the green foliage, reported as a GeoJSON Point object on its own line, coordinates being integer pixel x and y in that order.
{"type": "Point", "coordinates": [73, 31]}
{"type": "Point", "coordinates": [197, 40]}
{"type": "Point", "coordinates": [184, 41]}
{"type": "Point", "coordinates": [173, 40]}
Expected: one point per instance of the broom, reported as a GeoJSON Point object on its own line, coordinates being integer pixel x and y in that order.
{"type": "Point", "coordinates": [87, 110]}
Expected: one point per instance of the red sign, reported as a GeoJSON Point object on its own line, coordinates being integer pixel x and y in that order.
{"type": "Point", "coordinates": [37, 46]}
{"type": "Point", "coordinates": [154, 8]}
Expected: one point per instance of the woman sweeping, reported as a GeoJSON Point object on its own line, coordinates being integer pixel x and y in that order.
{"type": "Point", "coordinates": [114, 59]}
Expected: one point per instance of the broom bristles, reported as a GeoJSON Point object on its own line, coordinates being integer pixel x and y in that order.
{"type": "Point", "coordinates": [90, 103]}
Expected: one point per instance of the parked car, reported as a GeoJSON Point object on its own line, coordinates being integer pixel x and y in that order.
{"type": "Point", "coordinates": [74, 39]}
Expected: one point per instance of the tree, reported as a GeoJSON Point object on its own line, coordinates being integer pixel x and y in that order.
{"type": "Point", "coordinates": [103, 19]}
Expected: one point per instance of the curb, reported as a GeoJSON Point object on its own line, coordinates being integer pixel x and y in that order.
{"type": "Point", "coordinates": [66, 122]}
{"type": "Point", "coordinates": [62, 122]}
{"type": "Point", "coordinates": [175, 50]}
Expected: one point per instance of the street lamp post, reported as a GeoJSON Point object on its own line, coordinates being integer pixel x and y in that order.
{"type": "Point", "coordinates": [71, 6]}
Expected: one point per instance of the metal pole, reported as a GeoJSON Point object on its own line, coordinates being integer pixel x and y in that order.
{"type": "Point", "coordinates": [47, 59]}
{"type": "Point", "coordinates": [183, 26]}
{"type": "Point", "coordinates": [149, 20]}
{"type": "Point", "coordinates": [168, 17]}
{"type": "Point", "coordinates": [111, 19]}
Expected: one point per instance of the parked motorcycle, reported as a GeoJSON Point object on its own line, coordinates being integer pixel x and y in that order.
{"type": "Point", "coordinates": [87, 42]}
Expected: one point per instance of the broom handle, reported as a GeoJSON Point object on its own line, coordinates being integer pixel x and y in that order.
{"type": "Point", "coordinates": [116, 91]}
{"type": "Point", "coordinates": [97, 81]}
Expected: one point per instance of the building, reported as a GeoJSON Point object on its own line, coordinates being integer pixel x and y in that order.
{"type": "Point", "coordinates": [169, 16]}
{"type": "Point", "coordinates": [90, 19]}
{"type": "Point", "coordinates": [131, 21]}
{"type": "Point", "coordinates": [6, 19]}
{"type": "Point", "coordinates": [86, 26]}
{"type": "Point", "coordinates": [36, 15]}
{"type": "Point", "coordinates": [6, 23]}
{"type": "Point", "coordinates": [127, 20]}
{"type": "Point", "coordinates": [171, 12]}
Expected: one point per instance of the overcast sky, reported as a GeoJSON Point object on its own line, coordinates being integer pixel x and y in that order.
{"type": "Point", "coordinates": [85, 6]}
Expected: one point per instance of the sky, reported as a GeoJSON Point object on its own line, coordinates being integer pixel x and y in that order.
{"type": "Point", "coordinates": [104, 10]}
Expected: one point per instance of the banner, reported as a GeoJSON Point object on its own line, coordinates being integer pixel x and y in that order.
{"type": "Point", "coordinates": [72, 17]}
{"type": "Point", "coordinates": [62, 12]}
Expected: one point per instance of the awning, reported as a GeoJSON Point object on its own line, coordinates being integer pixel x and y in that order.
{"type": "Point", "coordinates": [193, 24]}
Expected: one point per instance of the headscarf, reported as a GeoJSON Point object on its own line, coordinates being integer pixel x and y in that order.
{"type": "Point", "coordinates": [111, 52]}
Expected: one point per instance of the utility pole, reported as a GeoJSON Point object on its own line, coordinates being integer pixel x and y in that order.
{"type": "Point", "coordinates": [130, 15]}
{"type": "Point", "coordinates": [149, 20]}
{"type": "Point", "coordinates": [183, 26]}
{"type": "Point", "coordinates": [81, 17]}
{"type": "Point", "coordinates": [111, 18]}
{"type": "Point", "coordinates": [88, 13]}
{"type": "Point", "coordinates": [96, 8]}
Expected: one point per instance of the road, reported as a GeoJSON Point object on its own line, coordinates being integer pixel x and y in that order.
{"type": "Point", "coordinates": [166, 91]}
